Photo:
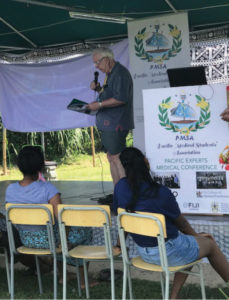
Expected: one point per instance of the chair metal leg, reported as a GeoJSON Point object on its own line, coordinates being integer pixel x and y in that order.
{"type": "Point", "coordinates": [86, 279]}
{"type": "Point", "coordinates": [166, 287]}
{"type": "Point", "coordinates": [7, 268]}
{"type": "Point", "coordinates": [162, 280]}
{"type": "Point", "coordinates": [124, 281]}
{"type": "Point", "coordinates": [202, 282]}
{"type": "Point", "coordinates": [38, 274]}
{"type": "Point", "coordinates": [78, 278]}
{"type": "Point", "coordinates": [54, 278]}
{"type": "Point", "coordinates": [12, 276]}
{"type": "Point", "coordinates": [64, 278]}
{"type": "Point", "coordinates": [112, 279]}
{"type": "Point", "coordinates": [129, 283]}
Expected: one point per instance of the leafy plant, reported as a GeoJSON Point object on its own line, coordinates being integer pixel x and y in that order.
{"type": "Point", "coordinates": [60, 145]}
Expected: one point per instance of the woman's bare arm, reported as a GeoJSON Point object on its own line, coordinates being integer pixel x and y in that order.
{"type": "Point", "coordinates": [184, 226]}
{"type": "Point", "coordinates": [55, 201]}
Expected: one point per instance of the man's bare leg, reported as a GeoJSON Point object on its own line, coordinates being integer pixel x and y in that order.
{"type": "Point", "coordinates": [116, 167]}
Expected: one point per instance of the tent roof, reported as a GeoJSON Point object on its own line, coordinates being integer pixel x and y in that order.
{"type": "Point", "coordinates": [29, 24]}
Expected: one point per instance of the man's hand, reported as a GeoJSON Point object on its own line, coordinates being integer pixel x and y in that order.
{"type": "Point", "coordinates": [108, 103]}
{"type": "Point", "coordinates": [93, 106]}
{"type": "Point", "coordinates": [225, 115]}
{"type": "Point", "coordinates": [95, 86]}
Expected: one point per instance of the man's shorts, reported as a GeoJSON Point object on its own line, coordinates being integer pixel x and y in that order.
{"type": "Point", "coordinates": [114, 141]}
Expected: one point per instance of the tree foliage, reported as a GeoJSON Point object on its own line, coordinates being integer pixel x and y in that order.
{"type": "Point", "coordinates": [61, 146]}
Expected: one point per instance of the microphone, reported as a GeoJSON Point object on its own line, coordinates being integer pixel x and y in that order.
{"type": "Point", "coordinates": [96, 75]}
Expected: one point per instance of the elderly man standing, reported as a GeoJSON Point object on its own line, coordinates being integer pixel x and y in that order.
{"type": "Point", "coordinates": [114, 105]}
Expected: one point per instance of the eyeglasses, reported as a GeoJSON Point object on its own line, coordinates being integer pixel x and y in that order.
{"type": "Point", "coordinates": [96, 63]}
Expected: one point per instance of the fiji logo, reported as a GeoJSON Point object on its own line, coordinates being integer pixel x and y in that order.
{"type": "Point", "coordinates": [156, 46]}
{"type": "Point", "coordinates": [183, 115]}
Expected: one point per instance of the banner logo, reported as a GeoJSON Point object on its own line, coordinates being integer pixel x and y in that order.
{"type": "Point", "coordinates": [191, 205]}
{"type": "Point", "coordinates": [158, 47]}
{"type": "Point", "coordinates": [185, 114]}
{"type": "Point", "coordinates": [224, 158]}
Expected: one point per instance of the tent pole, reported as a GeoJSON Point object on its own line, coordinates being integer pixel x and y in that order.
{"type": "Point", "coordinates": [4, 162]}
{"type": "Point", "coordinates": [92, 145]}
{"type": "Point", "coordinates": [18, 32]}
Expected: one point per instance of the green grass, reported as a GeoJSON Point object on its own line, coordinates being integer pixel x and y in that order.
{"type": "Point", "coordinates": [26, 287]}
{"type": "Point", "coordinates": [81, 169]}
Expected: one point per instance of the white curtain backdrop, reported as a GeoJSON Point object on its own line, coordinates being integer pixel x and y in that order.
{"type": "Point", "coordinates": [34, 98]}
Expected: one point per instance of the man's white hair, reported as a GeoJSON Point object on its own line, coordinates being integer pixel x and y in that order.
{"type": "Point", "coordinates": [104, 52]}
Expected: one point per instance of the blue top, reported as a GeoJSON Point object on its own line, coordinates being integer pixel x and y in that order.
{"type": "Point", "coordinates": [119, 85]}
{"type": "Point", "coordinates": [37, 192]}
{"type": "Point", "coordinates": [163, 202]}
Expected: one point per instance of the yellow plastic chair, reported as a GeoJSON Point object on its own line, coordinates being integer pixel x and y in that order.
{"type": "Point", "coordinates": [88, 216]}
{"type": "Point", "coordinates": [3, 253]}
{"type": "Point", "coordinates": [150, 224]}
{"type": "Point", "coordinates": [33, 214]}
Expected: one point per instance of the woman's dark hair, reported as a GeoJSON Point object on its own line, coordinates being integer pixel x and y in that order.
{"type": "Point", "coordinates": [30, 160]}
{"type": "Point", "coordinates": [137, 171]}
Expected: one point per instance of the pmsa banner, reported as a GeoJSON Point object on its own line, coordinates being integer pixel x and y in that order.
{"type": "Point", "coordinates": [187, 145]}
{"type": "Point", "coordinates": [155, 44]}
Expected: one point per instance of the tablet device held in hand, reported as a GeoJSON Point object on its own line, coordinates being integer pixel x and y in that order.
{"type": "Point", "coordinates": [80, 106]}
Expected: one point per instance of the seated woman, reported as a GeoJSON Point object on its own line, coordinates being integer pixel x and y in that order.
{"type": "Point", "coordinates": [30, 190]}
{"type": "Point", "coordinates": [136, 191]}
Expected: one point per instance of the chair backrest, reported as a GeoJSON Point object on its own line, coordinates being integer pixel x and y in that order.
{"type": "Point", "coordinates": [147, 224]}
{"type": "Point", "coordinates": [30, 214]}
{"type": "Point", "coordinates": [84, 215]}
{"type": "Point", "coordinates": [87, 216]}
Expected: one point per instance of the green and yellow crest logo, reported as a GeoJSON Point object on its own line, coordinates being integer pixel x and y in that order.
{"type": "Point", "coordinates": [185, 114]}
{"type": "Point", "coordinates": [158, 47]}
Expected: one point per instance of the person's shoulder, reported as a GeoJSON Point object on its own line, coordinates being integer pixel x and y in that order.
{"type": "Point", "coordinates": [48, 187]}
{"type": "Point", "coordinates": [164, 190]}
{"type": "Point", "coordinates": [122, 68]}
{"type": "Point", "coordinates": [121, 73]}
{"type": "Point", "coordinates": [122, 181]}
{"type": "Point", "coordinates": [12, 190]}
{"type": "Point", "coordinates": [42, 183]}
{"type": "Point", "coordinates": [12, 186]}
{"type": "Point", "coordinates": [167, 198]}
{"type": "Point", "coordinates": [45, 184]}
